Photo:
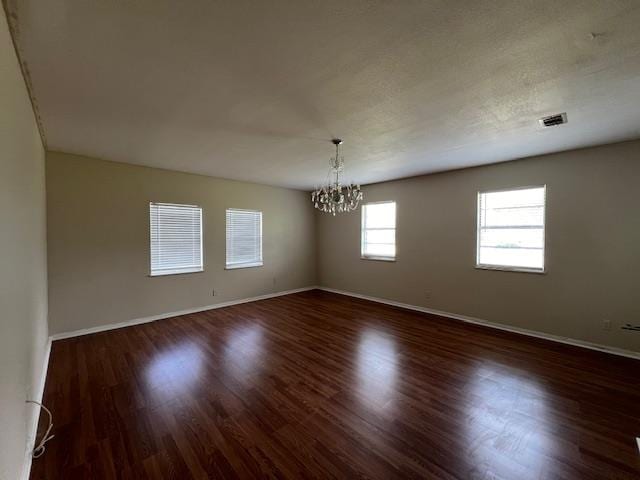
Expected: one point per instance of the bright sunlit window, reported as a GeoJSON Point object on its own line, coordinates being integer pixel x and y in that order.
{"type": "Point", "coordinates": [176, 238]}
{"type": "Point", "coordinates": [379, 231]}
{"type": "Point", "coordinates": [511, 229]}
{"type": "Point", "coordinates": [244, 238]}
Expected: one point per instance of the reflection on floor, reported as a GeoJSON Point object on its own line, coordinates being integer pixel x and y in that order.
{"type": "Point", "coordinates": [318, 385]}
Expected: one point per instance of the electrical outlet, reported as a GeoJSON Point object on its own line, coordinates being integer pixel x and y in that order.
{"type": "Point", "coordinates": [213, 292]}
{"type": "Point", "coordinates": [274, 280]}
{"type": "Point", "coordinates": [427, 295]}
{"type": "Point", "coordinates": [606, 325]}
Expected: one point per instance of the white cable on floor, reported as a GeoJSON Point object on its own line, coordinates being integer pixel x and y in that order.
{"type": "Point", "coordinates": [39, 450]}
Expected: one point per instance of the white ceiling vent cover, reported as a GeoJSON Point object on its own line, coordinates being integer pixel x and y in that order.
{"type": "Point", "coordinates": [553, 120]}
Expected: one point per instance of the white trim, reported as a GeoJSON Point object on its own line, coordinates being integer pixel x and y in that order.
{"type": "Point", "coordinates": [378, 258]}
{"type": "Point", "coordinates": [638, 442]}
{"type": "Point", "coordinates": [502, 268]}
{"type": "Point", "coordinates": [498, 326]}
{"type": "Point", "coordinates": [33, 427]}
{"type": "Point", "coordinates": [236, 266]}
{"type": "Point", "coordinates": [138, 321]}
{"type": "Point", "coordinates": [176, 204]}
{"type": "Point", "coordinates": [176, 271]}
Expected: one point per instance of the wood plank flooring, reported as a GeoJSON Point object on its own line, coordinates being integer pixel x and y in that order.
{"type": "Point", "coordinates": [319, 385]}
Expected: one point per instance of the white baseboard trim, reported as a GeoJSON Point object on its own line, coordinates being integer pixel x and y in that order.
{"type": "Point", "coordinates": [153, 318]}
{"type": "Point", "coordinates": [486, 323]}
{"type": "Point", "coordinates": [33, 427]}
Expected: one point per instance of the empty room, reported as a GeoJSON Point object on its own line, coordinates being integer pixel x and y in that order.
{"type": "Point", "coordinates": [339, 239]}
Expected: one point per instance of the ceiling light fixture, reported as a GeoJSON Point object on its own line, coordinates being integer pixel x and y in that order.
{"type": "Point", "coordinates": [333, 197]}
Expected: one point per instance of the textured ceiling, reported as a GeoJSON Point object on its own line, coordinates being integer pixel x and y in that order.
{"type": "Point", "coordinates": [254, 90]}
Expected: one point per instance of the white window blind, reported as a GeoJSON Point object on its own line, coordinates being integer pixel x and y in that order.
{"type": "Point", "coordinates": [244, 238]}
{"type": "Point", "coordinates": [379, 231]}
{"type": "Point", "coordinates": [176, 238]}
{"type": "Point", "coordinates": [511, 229]}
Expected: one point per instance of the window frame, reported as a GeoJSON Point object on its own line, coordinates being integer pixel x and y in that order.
{"type": "Point", "coordinates": [507, 268]}
{"type": "Point", "coordinates": [379, 258]}
{"type": "Point", "coordinates": [226, 249]}
{"type": "Point", "coordinates": [177, 271]}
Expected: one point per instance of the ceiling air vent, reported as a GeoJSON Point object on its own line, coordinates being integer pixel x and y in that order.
{"type": "Point", "coordinates": [553, 120]}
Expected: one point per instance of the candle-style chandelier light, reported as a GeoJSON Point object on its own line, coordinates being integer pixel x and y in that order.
{"type": "Point", "coordinates": [334, 197]}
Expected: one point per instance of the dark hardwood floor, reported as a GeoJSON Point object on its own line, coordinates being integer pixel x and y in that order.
{"type": "Point", "coordinates": [318, 385]}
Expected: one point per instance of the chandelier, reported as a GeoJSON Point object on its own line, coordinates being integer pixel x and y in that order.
{"type": "Point", "coordinates": [333, 197]}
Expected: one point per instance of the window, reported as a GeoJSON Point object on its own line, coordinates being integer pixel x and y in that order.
{"type": "Point", "coordinates": [176, 238]}
{"type": "Point", "coordinates": [511, 229]}
{"type": "Point", "coordinates": [379, 231]}
{"type": "Point", "coordinates": [244, 238]}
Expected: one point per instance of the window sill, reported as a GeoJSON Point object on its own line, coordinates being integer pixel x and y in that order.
{"type": "Point", "coordinates": [511, 269]}
{"type": "Point", "coordinates": [175, 272]}
{"type": "Point", "coordinates": [243, 265]}
{"type": "Point", "coordinates": [379, 259]}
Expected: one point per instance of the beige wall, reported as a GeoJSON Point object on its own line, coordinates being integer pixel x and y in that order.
{"type": "Point", "coordinates": [592, 246]}
{"type": "Point", "coordinates": [23, 275]}
{"type": "Point", "coordinates": [98, 216]}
